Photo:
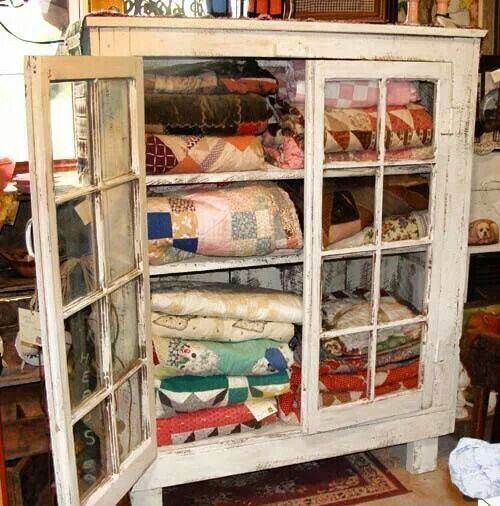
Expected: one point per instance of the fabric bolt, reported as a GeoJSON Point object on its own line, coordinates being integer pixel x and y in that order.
{"type": "Point", "coordinates": [205, 114]}
{"type": "Point", "coordinates": [226, 300]}
{"type": "Point", "coordinates": [355, 311]}
{"type": "Point", "coordinates": [238, 219]}
{"type": "Point", "coordinates": [211, 422]}
{"type": "Point", "coordinates": [182, 357]}
{"type": "Point", "coordinates": [362, 94]}
{"type": "Point", "coordinates": [474, 466]}
{"type": "Point", "coordinates": [187, 394]}
{"type": "Point", "coordinates": [216, 77]}
{"type": "Point", "coordinates": [218, 329]}
{"type": "Point", "coordinates": [178, 154]}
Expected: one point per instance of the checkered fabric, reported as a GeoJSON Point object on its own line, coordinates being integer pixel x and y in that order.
{"type": "Point", "coordinates": [334, 6]}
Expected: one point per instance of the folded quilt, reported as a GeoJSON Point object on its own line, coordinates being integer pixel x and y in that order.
{"type": "Point", "coordinates": [361, 94]}
{"type": "Point", "coordinates": [222, 421]}
{"type": "Point", "coordinates": [356, 129]}
{"type": "Point", "coordinates": [218, 329]}
{"type": "Point", "coordinates": [342, 388]}
{"type": "Point", "coordinates": [225, 300]}
{"type": "Point", "coordinates": [353, 311]}
{"type": "Point", "coordinates": [218, 77]}
{"type": "Point", "coordinates": [182, 357]}
{"type": "Point", "coordinates": [394, 228]}
{"type": "Point", "coordinates": [179, 154]}
{"type": "Point", "coordinates": [186, 394]}
{"type": "Point", "coordinates": [421, 153]}
{"type": "Point", "coordinates": [239, 219]}
{"type": "Point", "coordinates": [205, 114]}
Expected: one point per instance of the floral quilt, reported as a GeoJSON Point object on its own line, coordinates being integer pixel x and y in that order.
{"type": "Point", "coordinates": [182, 357]}
{"type": "Point", "coordinates": [187, 394]}
{"type": "Point", "coordinates": [239, 219]}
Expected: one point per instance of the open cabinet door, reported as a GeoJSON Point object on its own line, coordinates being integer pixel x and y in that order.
{"type": "Point", "coordinates": [92, 273]}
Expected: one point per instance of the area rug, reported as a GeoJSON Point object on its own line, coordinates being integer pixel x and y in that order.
{"type": "Point", "coordinates": [340, 481]}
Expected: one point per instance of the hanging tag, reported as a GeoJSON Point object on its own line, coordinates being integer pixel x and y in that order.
{"type": "Point", "coordinates": [84, 211]}
{"type": "Point", "coordinates": [29, 327]}
{"type": "Point", "coordinates": [260, 409]}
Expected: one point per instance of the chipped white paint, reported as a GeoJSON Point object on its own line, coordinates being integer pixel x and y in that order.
{"type": "Point", "coordinates": [448, 57]}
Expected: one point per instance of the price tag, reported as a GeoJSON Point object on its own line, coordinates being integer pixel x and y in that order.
{"type": "Point", "coordinates": [495, 75]}
{"type": "Point", "coordinates": [29, 327]}
{"type": "Point", "coordinates": [262, 408]}
{"type": "Point", "coordinates": [84, 211]}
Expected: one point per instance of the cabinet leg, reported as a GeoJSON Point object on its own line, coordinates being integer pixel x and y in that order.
{"type": "Point", "coordinates": [421, 456]}
{"type": "Point", "coordinates": [151, 497]}
{"type": "Point", "coordinates": [479, 411]}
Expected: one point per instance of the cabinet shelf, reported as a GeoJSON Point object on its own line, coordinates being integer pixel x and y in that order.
{"type": "Point", "coordinates": [270, 173]}
{"type": "Point", "coordinates": [200, 264]}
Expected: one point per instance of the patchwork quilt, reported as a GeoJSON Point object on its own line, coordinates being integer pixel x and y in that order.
{"type": "Point", "coordinates": [218, 329]}
{"type": "Point", "coordinates": [356, 129]}
{"type": "Point", "coordinates": [216, 77]}
{"type": "Point", "coordinates": [222, 421]}
{"type": "Point", "coordinates": [180, 154]}
{"type": "Point", "coordinates": [9, 205]}
{"type": "Point", "coordinates": [342, 388]}
{"type": "Point", "coordinates": [205, 114]}
{"type": "Point", "coordinates": [420, 153]}
{"type": "Point", "coordinates": [239, 219]}
{"type": "Point", "coordinates": [186, 394]}
{"type": "Point", "coordinates": [181, 357]}
{"type": "Point", "coordinates": [227, 300]}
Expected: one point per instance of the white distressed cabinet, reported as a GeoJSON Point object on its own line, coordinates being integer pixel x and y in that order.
{"type": "Point", "coordinates": [110, 201]}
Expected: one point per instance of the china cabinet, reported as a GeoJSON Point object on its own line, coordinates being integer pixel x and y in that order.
{"type": "Point", "coordinates": [110, 287]}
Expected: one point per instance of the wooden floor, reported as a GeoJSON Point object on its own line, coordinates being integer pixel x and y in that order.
{"type": "Point", "coordinates": [430, 489]}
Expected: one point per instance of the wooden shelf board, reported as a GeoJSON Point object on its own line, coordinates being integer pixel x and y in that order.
{"type": "Point", "coordinates": [11, 282]}
{"type": "Point", "coordinates": [487, 248]}
{"type": "Point", "coordinates": [200, 264]}
{"type": "Point", "coordinates": [271, 173]}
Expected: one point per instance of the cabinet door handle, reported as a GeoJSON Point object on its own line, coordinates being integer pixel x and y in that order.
{"type": "Point", "coordinates": [28, 237]}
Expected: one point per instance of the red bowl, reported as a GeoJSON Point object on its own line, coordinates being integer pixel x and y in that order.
{"type": "Point", "coordinates": [6, 171]}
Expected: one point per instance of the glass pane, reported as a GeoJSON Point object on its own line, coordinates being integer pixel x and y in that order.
{"type": "Point", "coordinates": [69, 110]}
{"type": "Point", "coordinates": [398, 359]}
{"type": "Point", "coordinates": [77, 247]}
{"type": "Point", "coordinates": [351, 120]}
{"type": "Point", "coordinates": [409, 133]}
{"type": "Point", "coordinates": [120, 229]}
{"type": "Point", "coordinates": [129, 415]}
{"type": "Point", "coordinates": [124, 328]}
{"type": "Point", "coordinates": [114, 117]}
{"type": "Point", "coordinates": [348, 210]}
{"type": "Point", "coordinates": [343, 368]}
{"type": "Point", "coordinates": [347, 300]}
{"type": "Point", "coordinates": [402, 286]}
{"type": "Point", "coordinates": [405, 208]}
{"type": "Point", "coordinates": [92, 449]}
{"type": "Point", "coordinates": [83, 338]}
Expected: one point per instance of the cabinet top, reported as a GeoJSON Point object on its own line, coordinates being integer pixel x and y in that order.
{"type": "Point", "coordinates": [253, 25]}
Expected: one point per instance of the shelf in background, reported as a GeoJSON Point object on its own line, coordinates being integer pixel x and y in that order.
{"type": "Point", "coordinates": [487, 248]}
{"type": "Point", "coordinates": [271, 173]}
{"type": "Point", "coordinates": [200, 264]}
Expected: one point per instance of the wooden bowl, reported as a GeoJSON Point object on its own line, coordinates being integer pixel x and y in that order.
{"type": "Point", "coordinates": [20, 261]}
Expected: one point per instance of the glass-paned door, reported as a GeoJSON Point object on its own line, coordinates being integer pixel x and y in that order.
{"type": "Point", "coordinates": [92, 272]}
{"type": "Point", "coordinates": [376, 153]}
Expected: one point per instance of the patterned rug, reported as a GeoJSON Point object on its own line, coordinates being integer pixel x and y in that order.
{"type": "Point", "coordinates": [340, 481]}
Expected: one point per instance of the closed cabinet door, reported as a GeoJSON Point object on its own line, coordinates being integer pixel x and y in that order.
{"type": "Point", "coordinates": [85, 117]}
{"type": "Point", "coordinates": [377, 145]}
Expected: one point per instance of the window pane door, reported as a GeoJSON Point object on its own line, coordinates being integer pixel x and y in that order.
{"type": "Point", "coordinates": [92, 273]}
{"type": "Point", "coordinates": [376, 151]}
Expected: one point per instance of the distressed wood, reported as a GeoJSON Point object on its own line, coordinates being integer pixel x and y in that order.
{"type": "Point", "coordinates": [421, 456]}
{"type": "Point", "coordinates": [148, 497]}
{"type": "Point", "coordinates": [448, 57]}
